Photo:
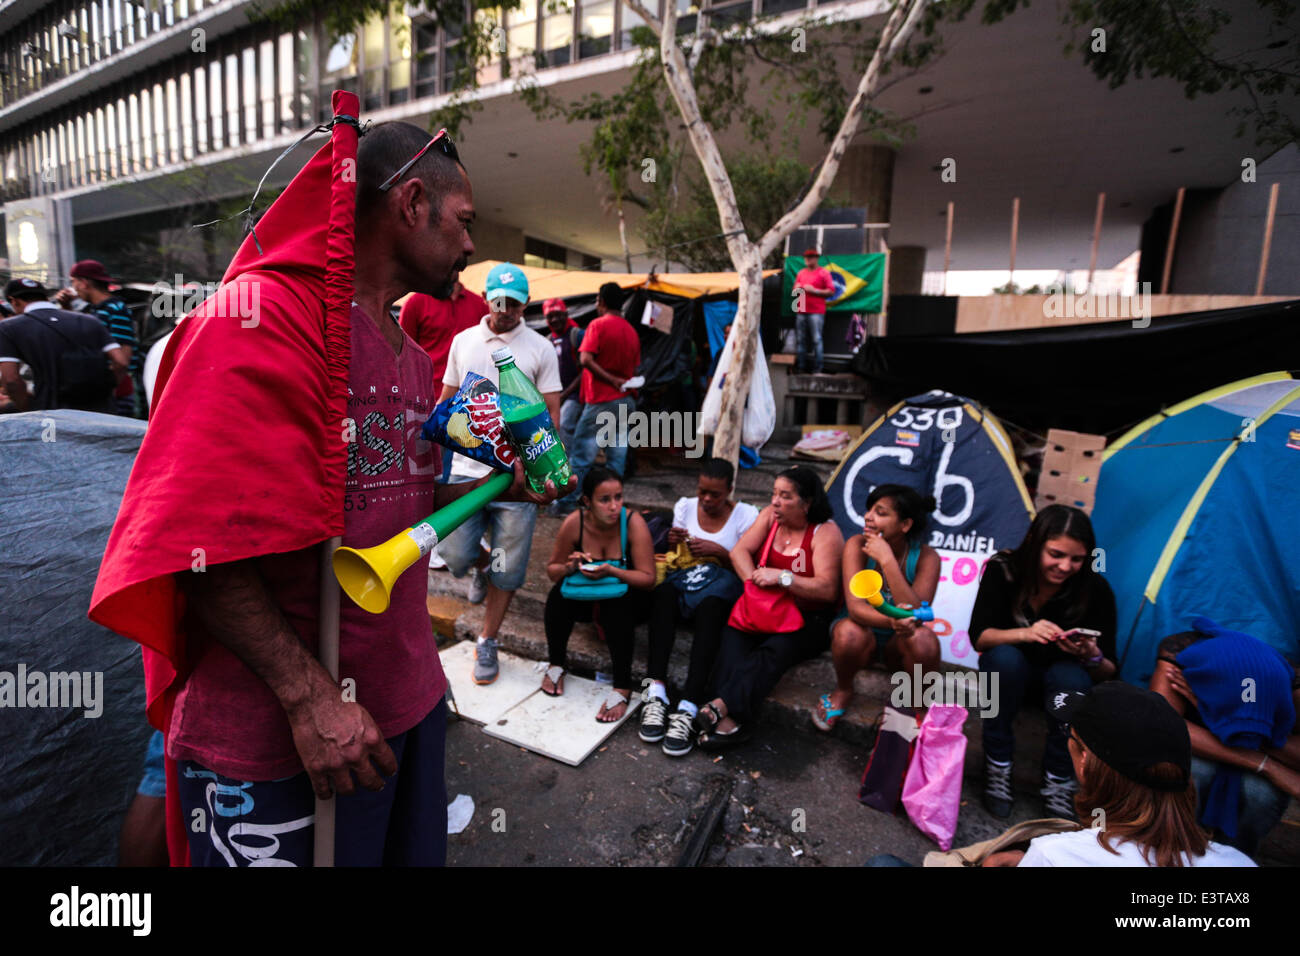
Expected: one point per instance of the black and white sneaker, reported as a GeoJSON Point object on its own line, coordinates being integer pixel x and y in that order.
{"type": "Point", "coordinates": [1058, 795]}
{"type": "Point", "coordinates": [654, 713]}
{"type": "Point", "coordinates": [680, 738]}
{"type": "Point", "coordinates": [997, 788]}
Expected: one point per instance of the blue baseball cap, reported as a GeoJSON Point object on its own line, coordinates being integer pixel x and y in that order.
{"type": "Point", "coordinates": [507, 280]}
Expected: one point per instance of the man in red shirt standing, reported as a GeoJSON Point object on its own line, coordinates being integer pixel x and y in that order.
{"type": "Point", "coordinates": [435, 322]}
{"type": "Point", "coordinates": [609, 356]}
{"type": "Point", "coordinates": [812, 287]}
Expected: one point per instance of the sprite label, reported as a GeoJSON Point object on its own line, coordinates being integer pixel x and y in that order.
{"type": "Point", "coordinates": [533, 436]}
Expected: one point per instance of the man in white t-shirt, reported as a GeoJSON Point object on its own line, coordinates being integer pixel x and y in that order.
{"type": "Point", "coordinates": [1127, 742]}
{"type": "Point", "coordinates": [497, 575]}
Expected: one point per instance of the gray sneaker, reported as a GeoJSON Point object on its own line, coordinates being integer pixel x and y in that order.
{"type": "Point", "coordinates": [478, 583]}
{"type": "Point", "coordinates": [485, 661]}
{"type": "Point", "coordinates": [1058, 795]}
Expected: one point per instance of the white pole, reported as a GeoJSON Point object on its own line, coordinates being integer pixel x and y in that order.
{"type": "Point", "coordinates": [323, 853]}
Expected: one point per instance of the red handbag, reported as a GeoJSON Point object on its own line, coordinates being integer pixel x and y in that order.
{"type": "Point", "coordinates": [765, 610]}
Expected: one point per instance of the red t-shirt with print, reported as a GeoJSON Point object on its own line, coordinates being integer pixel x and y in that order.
{"type": "Point", "coordinates": [226, 718]}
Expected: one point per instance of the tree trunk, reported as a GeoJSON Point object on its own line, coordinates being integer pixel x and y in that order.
{"type": "Point", "coordinates": [745, 330]}
{"type": "Point", "coordinates": [622, 236]}
{"type": "Point", "coordinates": [748, 255]}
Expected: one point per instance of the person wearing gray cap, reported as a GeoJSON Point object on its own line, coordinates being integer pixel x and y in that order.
{"type": "Point", "coordinates": [1132, 754]}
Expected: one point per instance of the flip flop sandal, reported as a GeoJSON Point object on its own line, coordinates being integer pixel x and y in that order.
{"type": "Point", "coordinates": [826, 718]}
{"type": "Point", "coordinates": [706, 718]}
{"type": "Point", "coordinates": [555, 673]}
{"type": "Point", "coordinates": [714, 741]}
{"type": "Point", "coordinates": [612, 699]}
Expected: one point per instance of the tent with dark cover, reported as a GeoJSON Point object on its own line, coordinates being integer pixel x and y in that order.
{"type": "Point", "coordinates": [66, 776]}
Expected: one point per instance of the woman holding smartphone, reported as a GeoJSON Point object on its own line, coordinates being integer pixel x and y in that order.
{"type": "Point", "coordinates": [601, 551]}
{"type": "Point", "coordinates": [1043, 623]}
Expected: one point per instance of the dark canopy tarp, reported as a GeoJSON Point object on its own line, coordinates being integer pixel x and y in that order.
{"type": "Point", "coordinates": [1089, 378]}
{"type": "Point", "coordinates": [65, 778]}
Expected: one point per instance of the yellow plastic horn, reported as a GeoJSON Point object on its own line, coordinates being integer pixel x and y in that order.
{"type": "Point", "coordinates": [867, 585]}
{"type": "Point", "coordinates": [367, 575]}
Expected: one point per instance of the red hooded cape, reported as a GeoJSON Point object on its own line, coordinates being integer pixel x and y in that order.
{"type": "Point", "coordinates": [244, 455]}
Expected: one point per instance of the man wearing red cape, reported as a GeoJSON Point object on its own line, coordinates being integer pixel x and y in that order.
{"type": "Point", "coordinates": [287, 412]}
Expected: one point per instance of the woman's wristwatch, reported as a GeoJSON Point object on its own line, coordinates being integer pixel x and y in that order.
{"type": "Point", "coordinates": [1094, 661]}
{"type": "Point", "coordinates": [787, 579]}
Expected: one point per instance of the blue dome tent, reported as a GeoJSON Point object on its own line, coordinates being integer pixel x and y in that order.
{"type": "Point", "coordinates": [1198, 512]}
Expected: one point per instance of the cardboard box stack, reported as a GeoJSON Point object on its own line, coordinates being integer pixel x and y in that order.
{"type": "Point", "coordinates": [1071, 466]}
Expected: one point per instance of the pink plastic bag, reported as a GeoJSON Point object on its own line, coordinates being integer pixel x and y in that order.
{"type": "Point", "coordinates": [932, 790]}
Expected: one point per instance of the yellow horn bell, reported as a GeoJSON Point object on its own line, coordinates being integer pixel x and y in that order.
{"type": "Point", "coordinates": [866, 585]}
{"type": "Point", "coordinates": [367, 575]}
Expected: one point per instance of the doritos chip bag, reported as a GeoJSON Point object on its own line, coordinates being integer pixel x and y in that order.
{"type": "Point", "coordinates": [470, 424]}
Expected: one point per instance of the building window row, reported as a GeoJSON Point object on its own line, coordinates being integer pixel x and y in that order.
{"type": "Point", "coordinates": [540, 254]}
{"type": "Point", "coordinates": [258, 85]}
{"type": "Point", "coordinates": [404, 58]}
{"type": "Point", "coordinates": [62, 38]}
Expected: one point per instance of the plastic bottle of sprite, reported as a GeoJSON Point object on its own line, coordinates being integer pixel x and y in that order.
{"type": "Point", "coordinates": [525, 414]}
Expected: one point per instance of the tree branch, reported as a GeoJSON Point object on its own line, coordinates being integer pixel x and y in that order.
{"type": "Point", "coordinates": [639, 8]}
{"type": "Point", "coordinates": [902, 21]}
{"type": "Point", "coordinates": [682, 88]}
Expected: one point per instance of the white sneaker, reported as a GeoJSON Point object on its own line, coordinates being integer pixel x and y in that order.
{"type": "Point", "coordinates": [478, 582]}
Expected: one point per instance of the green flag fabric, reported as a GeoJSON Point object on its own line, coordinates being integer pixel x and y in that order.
{"type": "Point", "coordinates": [859, 282]}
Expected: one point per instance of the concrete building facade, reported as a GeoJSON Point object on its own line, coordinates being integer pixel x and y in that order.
{"type": "Point", "coordinates": [134, 116]}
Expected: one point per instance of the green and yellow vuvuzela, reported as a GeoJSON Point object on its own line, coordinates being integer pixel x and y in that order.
{"type": "Point", "coordinates": [367, 575]}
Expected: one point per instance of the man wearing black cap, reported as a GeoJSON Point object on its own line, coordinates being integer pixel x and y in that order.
{"type": "Point", "coordinates": [90, 282]}
{"type": "Point", "coordinates": [66, 351]}
{"type": "Point", "coordinates": [1132, 755]}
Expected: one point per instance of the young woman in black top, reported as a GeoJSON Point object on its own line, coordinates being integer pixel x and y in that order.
{"type": "Point", "coordinates": [1031, 601]}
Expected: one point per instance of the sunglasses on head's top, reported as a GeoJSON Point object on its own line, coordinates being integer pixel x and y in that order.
{"type": "Point", "coordinates": [444, 143]}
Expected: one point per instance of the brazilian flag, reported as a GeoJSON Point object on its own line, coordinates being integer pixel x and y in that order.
{"type": "Point", "coordinates": [859, 282]}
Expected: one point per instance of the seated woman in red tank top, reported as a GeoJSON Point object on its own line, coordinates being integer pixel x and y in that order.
{"type": "Point", "coordinates": [794, 549]}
